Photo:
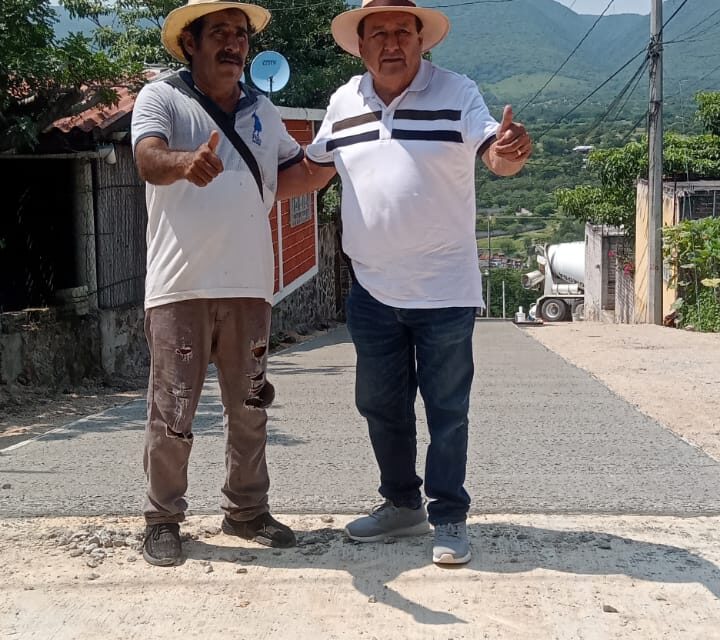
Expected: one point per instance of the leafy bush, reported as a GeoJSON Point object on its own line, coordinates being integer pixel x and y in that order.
{"type": "Point", "coordinates": [693, 250]}
{"type": "Point", "coordinates": [709, 111]}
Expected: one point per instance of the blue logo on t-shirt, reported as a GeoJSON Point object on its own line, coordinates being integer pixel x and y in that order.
{"type": "Point", "coordinates": [257, 129]}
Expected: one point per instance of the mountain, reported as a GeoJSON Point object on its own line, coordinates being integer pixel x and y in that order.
{"type": "Point", "coordinates": [512, 48]}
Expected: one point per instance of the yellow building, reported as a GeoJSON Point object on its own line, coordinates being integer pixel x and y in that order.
{"type": "Point", "coordinates": [681, 201]}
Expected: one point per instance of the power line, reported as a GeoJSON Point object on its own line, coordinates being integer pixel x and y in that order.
{"type": "Point", "coordinates": [699, 24]}
{"type": "Point", "coordinates": [591, 94]}
{"type": "Point", "coordinates": [669, 20]}
{"type": "Point", "coordinates": [696, 37]}
{"type": "Point", "coordinates": [278, 9]}
{"type": "Point", "coordinates": [634, 127]}
{"type": "Point", "coordinates": [463, 4]}
{"type": "Point", "coordinates": [572, 53]}
{"type": "Point", "coordinates": [633, 81]}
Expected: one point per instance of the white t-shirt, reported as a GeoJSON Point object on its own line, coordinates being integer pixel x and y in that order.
{"type": "Point", "coordinates": [213, 241]}
{"type": "Point", "coordinates": [408, 197]}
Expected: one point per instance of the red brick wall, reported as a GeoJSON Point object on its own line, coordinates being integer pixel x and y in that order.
{"type": "Point", "coordinates": [298, 242]}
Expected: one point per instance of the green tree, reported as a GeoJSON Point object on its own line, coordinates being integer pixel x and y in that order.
{"type": "Point", "coordinates": [515, 294]}
{"type": "Point", "coordinates": [317, 65]}
{"type": "Point", "coordinates": [545, 209]}
{"type": "Point", "coordinates": [505, 246]}
{"type": "Point", "coordinates": [127, 30]}
{"type": "Point", "coordinates": [709, 111]}
{"type": "Point", "coordinates": [613, 201]}
{"type": "Point", "coordinates": [42, 79]}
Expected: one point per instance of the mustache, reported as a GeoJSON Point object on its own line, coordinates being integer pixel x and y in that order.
{"type": "Point", "coordinates": [229, 57]}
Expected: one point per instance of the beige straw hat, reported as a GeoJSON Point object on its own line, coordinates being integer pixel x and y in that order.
{"type": "Point", "coordinates": [179, 18]}
{"type": "Point", "coordinates": [344, 27]}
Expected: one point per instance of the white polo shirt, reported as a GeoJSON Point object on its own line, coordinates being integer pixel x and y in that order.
{"type": "Point", "coordinates": [408, 197]}
{"type": "Point", "coordinates": [213, 241]}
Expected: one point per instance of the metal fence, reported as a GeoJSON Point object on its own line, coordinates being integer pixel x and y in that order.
{"type": "Point", "coordinates": [120, 223]}
{"type": "Point", "coordinates": [72, 227]}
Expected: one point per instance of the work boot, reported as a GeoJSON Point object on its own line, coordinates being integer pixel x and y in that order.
{"type": "Point", "coordinates": [389, 521]}
{"type": "Point", "coordinates": [161, 546]}
{"type": "Point", "coordinates": [451, 544]}
{"type": "Point", "coordinates": [263, 529]}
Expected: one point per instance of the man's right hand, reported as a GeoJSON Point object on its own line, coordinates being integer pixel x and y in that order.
{"type": "Point", "coordinates": [204, 164]}
{"type": "Point", "coordinates": [160, 165]}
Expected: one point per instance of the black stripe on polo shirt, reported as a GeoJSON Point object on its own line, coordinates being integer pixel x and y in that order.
{"type": "Point", "coordinates": [425, 114]}
{"type": "Point", "coordinates": [438, 135]}
{"type": "Point", "coordinates": [356, 121]}
{"type": "Point", "coordinates": [336, 143]}
{"type": "Point", "coordinates": [150, 134]}
{"type": "Point", "coordinates": [290, 162]}
{"type": "Point", "coordinates": [486, 145]}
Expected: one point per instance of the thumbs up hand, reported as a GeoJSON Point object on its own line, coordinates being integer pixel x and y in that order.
{"type": "Point", "coordinates": [214, 140]}
{"type": "Point", "coordinates": [204, 164]}
{"type": "Point", "coordinates": [512, 140]}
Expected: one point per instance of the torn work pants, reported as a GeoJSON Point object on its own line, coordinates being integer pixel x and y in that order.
{"type": "Point", "coordinates": [184, 337]}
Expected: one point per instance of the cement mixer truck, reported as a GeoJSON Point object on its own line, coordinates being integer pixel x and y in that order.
{"type": "Point", "coordinates": [560, 276]}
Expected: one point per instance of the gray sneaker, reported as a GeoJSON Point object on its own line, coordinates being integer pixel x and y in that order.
{"type": "Point", "coordinates": [451, 544]}
{"type": "Point", "coordinates": [389, 521]}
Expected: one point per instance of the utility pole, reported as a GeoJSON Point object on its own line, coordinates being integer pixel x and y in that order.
{"type": "Point", "coordinates": [655, 174]}
{"type": "Point", "coordinates": [487, 301]}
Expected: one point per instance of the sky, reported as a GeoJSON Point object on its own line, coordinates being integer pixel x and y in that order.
{"type": "Point", "coordinates": [596, 7]}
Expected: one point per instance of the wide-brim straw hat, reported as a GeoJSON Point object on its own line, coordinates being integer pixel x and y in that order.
{"type": "Point", "coordinates": [344, 27]}
{"type": "Point", "coordinates": [179, 18]}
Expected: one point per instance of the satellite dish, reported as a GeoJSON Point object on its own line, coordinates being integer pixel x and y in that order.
{"type": "Point", "coordinates": [269, 71]}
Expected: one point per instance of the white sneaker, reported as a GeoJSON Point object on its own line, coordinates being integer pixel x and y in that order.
{"type": "Point", "coordinates": [451, 544]}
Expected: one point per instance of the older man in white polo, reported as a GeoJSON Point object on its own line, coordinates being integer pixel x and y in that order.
{"type": "Point", "coordinates": [404, 138]}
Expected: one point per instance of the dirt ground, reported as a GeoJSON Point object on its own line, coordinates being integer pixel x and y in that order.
{"type": "Point", "coordinates": [532, 577]}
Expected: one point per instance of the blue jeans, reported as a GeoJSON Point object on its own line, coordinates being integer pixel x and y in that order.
{"type": "Point", "coordinates": [399, 351]}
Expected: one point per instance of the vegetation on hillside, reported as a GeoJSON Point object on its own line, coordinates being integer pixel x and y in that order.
{"type": "Point", "coordinates": [512, 49]}
{"type": "Point", "coordinates": [612, 201]}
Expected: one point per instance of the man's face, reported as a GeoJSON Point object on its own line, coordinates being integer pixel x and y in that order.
{"type": "Point", "coordinates": [223, 45]}
{"type": "Point", "coordinates": [391, 46]}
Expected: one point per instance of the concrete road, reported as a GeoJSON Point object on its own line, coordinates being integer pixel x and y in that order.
{"type": "Point", "coordinates": [545, 438]}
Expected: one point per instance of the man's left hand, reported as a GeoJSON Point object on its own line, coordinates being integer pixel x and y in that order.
{"type": "Point", "coordinates": [512, 140]}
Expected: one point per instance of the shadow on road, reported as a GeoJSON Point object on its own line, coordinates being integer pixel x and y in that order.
{"type": "Point", "coordinates": [498, 548]}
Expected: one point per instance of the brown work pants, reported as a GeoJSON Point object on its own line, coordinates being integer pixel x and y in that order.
{"type": "Point", "coordinates": [184, 337]}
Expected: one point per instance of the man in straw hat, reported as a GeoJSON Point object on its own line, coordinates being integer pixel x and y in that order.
{"type": "Point", "coordinates": [209, 282]}
{"type": "Point", "coordinates": [404, 137]}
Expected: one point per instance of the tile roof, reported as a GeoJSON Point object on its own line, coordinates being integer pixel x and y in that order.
{"type": "Point", "coordinates": [103, 116]}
